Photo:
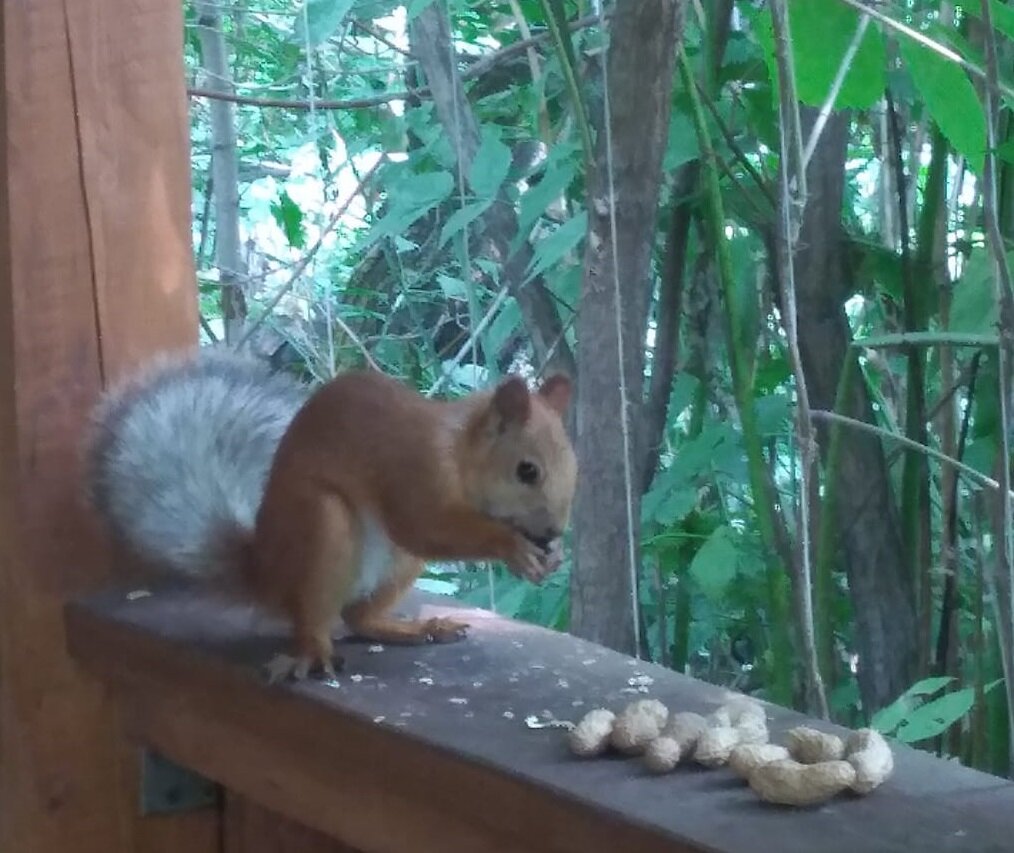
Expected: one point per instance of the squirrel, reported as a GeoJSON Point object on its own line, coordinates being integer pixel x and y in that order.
{"type": "Point", "coordinates": [326, 503]}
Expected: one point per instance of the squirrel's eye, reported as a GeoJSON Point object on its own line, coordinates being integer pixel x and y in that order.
{"type": "Point", "coordinates": [528, 472]}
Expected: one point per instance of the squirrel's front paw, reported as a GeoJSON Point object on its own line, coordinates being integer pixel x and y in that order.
{"type": "Point", "coordinates": [553, 556]}
{"type": "Point", "coordinates": [533, 561]}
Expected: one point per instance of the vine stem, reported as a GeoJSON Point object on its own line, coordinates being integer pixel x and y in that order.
{"type": "Point", "coordinates": [792, 201]}
{"type": "Point", "coordinates": [1004, 598]}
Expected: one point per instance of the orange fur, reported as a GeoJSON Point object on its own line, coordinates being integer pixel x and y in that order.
{"type": "Point", "coordinates": [371, 480]}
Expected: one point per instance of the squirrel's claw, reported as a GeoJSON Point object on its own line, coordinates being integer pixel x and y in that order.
{"type": "Point", "coordinates": [443, 630]}
{"type": "Point", "coordinates": [284, 667]}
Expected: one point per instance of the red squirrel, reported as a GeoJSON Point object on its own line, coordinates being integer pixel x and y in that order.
{"type": "Point", "coordinates": [326, 504]}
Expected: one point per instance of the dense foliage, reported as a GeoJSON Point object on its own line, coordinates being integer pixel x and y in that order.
{"type": "Point", "coordinates": [368, 227]}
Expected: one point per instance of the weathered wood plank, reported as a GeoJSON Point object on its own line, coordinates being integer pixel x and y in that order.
{"type": "Point", "coordinates": [94, 273]}
{"type": "Point", "coordinates": [426, 749]}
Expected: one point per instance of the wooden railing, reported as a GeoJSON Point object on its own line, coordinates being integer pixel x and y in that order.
{"type": "Point", "coordinates": [427, 749]}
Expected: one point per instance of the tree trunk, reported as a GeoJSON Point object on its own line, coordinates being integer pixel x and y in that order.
{"type": "Point", "coordinates": [866, 517]}
{"type": "Point", "coordinates": [640, 65]}
{"type": "Point", "coordinates": [224, 172]}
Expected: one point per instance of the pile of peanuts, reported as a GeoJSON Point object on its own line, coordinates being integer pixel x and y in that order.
{"type": "Point", "coordinates": [810, 768]}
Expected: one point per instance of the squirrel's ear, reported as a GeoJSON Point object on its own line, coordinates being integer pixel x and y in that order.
{"type": "Point", "coordinates": [511, 401]}
{"type": "Point", "coordinates": [557, 391]}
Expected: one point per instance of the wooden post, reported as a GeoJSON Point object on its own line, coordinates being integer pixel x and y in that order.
{"type": "Point", "coordinates": [95, 275]}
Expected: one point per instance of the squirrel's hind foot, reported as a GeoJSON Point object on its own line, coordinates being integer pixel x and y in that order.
{"type": "Point", "coordinates": [284, 667]}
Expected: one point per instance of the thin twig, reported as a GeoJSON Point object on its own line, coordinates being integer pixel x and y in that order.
{"type": "Point", "coordinates": [836, 86]}
{"type": "Point", "coordinates": [967, 470]}
{"type": "Point", "coordinates": [284, 103]}
{"type": "Point", "coordinates": [207, 327]}
{"type": "Point", "coordinates": [375, 33]}
{"type": "Point", "coordinates": [475, 70]}
{"type": "Point", "coordinates": [304, 262]}
{"type": "Point", "coordinates": [926, 41]}
{"type": "Point", "coordinates": [792, 202]}
{"type": "Point", "coordinates": [535, 69]}
{"type": "Point", "coordinates": [571, 82]}
{"type": "Point", "coordinates": [917, 339]}
{"type": "Point", "coordinates": [734, 147]}
{"type": "Point", "coordinates": [469, 344]}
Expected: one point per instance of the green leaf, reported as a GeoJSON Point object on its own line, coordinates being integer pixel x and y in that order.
{"type": "Point", "coordinates": [412, 196]}
{"type": "Point", "coordinates": [683, 145]}
{"type": "Point", "coordinates": [950, 99]}
{"type": "Point", "coordinates": [552, 249]}
{"type": "Point", "coordinates": [748, 307]}
{"type": "Point", "coordinates": [510, 597]}
{"type": "Point", "coordinates": [714, 564]}
{"type": "Point", "coordinates": [321, 20]}
{"type": "Point", "coordinates": [289, 217]}
{"type": "Point", "coordinates": [773, 370]}
{"type": "Point", "coordinates": [821, 34]}
{"type": "Point", "coordinates": [929, 686]}
{"type": "Point", "coordinates": [980, 454]}
{"type": "Point", "coordinates": [462, 218]}
{"type": "Point", "coordinates": [490, 165]}
{"type": "Point", "coordinates": [883, 265]}
{"type": "Point", "coordinates": [535, 201]}
{"type": "Point", "coordinates": [565, 285]}
{"type": "Point", "coordinates": [886, 720]}
{"type": "Point", "coordinates": [935, 717]}
{"type": "Point", "coordinates": [973, 308]}
{"type": "Point", "coordinates": [773, 414]}
{"type": "Point", "coordinates": [504, 325]}
{"type": "Point", "coordinates": [1003, 17]}
{"type": "Point", "coordinates": [669, 500]}
{"type": "Point", "coordinates": [1005, 151]}
{"type": "Point", "coordinates": [453, 288]}
{"type": "Point", "coordinates": [1002, 14]}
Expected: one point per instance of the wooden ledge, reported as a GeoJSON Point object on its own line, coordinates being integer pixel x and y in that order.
{"type": "Point", "coordinates": [426, 748]}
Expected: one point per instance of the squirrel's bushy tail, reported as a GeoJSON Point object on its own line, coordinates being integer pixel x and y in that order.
{"type": "Point", "coordinates": [179, 458]}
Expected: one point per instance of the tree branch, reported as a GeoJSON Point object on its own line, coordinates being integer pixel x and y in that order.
{"type": "Point", "coordinates": [498, 226]}
{"type": "Point", "coordinates": [304, 262]}
{"type": "Point", "coordinates": [972, 474]}
{"type": "Point", "coordinates": [475, 70]}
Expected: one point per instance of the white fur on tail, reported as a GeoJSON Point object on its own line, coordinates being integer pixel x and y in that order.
{"type": "Point", "coordinates": [180, 456]}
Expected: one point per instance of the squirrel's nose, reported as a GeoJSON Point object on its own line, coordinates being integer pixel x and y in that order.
{"type": "Point", "coordinates": [552, 533]}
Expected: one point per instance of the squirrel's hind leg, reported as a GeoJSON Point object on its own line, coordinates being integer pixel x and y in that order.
{"type": "Point", "coordinates": [314, 563]}
{"type": "Point", "coordinates": [370, 618]}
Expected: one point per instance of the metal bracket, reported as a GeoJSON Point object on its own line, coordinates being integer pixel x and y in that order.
{"type": "Point", "coordinates": [167, 787]}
